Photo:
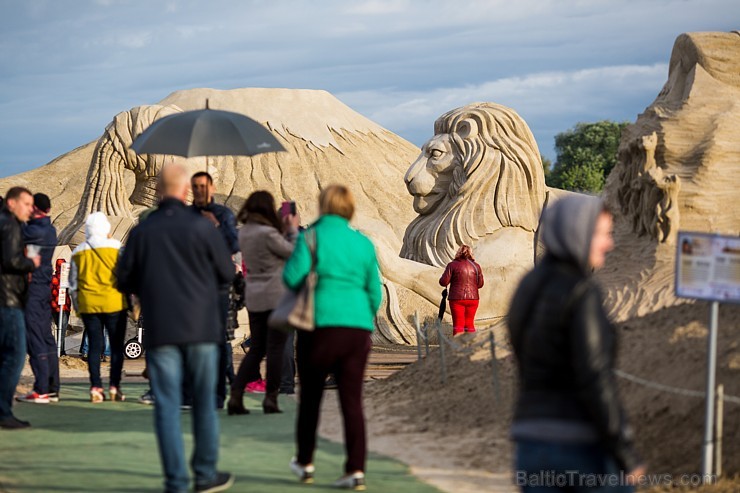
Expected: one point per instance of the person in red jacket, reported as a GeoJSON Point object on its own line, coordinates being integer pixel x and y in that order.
{"type": "Point", "coordinates": [465, 278]}
{"type": "Point", "coordinates": [55, 305]}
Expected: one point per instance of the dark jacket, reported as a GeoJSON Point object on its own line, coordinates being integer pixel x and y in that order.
{"type": "Point", "coordinates": [174, 262]}
{"type": "Point", "coordinates": [226, 224]}
{"type": "Point", "coordinates": [39, 231]}
{"type": "Point", "coordinates": [465, 278]}
{"type": "Point", "coordinates": [564, 343]}
{"type": "Point", "coordinates": [14, 266]}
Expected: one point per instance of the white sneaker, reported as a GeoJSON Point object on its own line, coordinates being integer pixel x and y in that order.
{"type": "Point", "coordinates": [304, 473]}
{"type": "Point", "coordinates": [354, 481]}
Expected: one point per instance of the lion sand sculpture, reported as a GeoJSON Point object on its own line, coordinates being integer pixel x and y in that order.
{"type": "Point", "coordinates": [478, 181]}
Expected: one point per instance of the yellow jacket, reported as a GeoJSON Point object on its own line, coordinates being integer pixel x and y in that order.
{"type": "Point", "coordinates": [92, 278]}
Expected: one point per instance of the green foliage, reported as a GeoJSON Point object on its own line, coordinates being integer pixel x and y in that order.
{"type": "Point", "coordinates": [546, 167]}
{"type": "Point", "coordinates": [586, 155]}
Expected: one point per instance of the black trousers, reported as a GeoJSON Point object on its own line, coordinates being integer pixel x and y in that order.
{"type": "Point", "coordinates": [265, 342]}
{"type": "Point", "coordinates": [342, 351]}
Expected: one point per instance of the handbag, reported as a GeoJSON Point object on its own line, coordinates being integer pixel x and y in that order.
{"type": "Point", "coordinates": [295, 310]}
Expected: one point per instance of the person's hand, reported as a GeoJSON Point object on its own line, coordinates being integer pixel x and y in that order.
{"type": "Point", "coordinates": [634, 476]}
{"type": "Point", "coordinates": [211, 217]}
{"type": "Point", "coordinates": [292, 221]}
{"type": "Point", "coordinates": [36, 260]}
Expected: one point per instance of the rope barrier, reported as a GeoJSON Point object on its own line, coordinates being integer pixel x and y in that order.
{"type": "Point", "coordinates": [422, 333]}
{"type": "Point", "coordinates": [668, 388]}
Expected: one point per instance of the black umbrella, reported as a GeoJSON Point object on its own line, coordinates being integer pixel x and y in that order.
{"type": "Point", "coordinates": [442, 305]}
{"type": "Point", "coordinates": [206, 133]}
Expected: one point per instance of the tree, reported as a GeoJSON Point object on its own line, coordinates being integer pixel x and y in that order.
{"type": "Point", "coordinates": [586, 155]}
{"type": "Point", "coordinates": [546, 167]}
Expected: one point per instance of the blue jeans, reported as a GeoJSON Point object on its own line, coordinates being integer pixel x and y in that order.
{"type": "Point", "coordinates": [547, 467]}
{"type": "Point", "coordinates": [84, 346]}
{"type": "Point", "coordinates": [115, 324]}
{"type": "Point", "coordinates": [168, 367]}
{"type": "Point", "coordinates": [12, 355]}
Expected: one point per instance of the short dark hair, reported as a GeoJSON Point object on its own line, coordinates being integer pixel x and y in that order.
{"type": "Point", "coordinates": [42, 202]}
{"type": "Point", "coordinates": [203, 173]}
{"type": "Point", "coordinates": [15, 192]}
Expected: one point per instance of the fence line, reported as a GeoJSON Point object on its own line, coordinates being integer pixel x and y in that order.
{"type": "Point", "coordinates": [422, 335]}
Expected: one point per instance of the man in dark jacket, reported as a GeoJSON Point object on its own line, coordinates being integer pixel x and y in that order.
{"type": "Point", "coordinates": [42, 348]}
{"type": "Point", "coordinates": [223, 219]}
{"type": "Point", "coordinates": [14, 270]}
{"type": "Point", "coordinates": [174, 262]}
{"type": "Point", "coordinates": [569, 425]}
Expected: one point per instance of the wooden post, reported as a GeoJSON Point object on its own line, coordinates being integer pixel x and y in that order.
{"type": "Point", "coordinates": [418, 335]}
{"type": "Point", "coordinates": [442, 352]}
{"type": "Point", "coordinates": [718, 431]}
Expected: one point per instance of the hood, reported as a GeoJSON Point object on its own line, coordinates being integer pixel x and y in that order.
{"type": "Point", "coordinates": [568, 227]}
{"type": "Point", "coordinates": [97, 226]}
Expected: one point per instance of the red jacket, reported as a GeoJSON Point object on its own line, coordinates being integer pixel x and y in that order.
{"type": "Point", "coordinates": [465, 278]}
{"type": "Point", "coordinates": [55, 289]}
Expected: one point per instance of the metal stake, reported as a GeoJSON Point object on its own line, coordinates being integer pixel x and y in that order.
{"type": "Point", "coordinates": [707, 465]}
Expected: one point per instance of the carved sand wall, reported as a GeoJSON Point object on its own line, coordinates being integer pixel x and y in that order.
{"type": "Point", "coordinates": [679, 167]}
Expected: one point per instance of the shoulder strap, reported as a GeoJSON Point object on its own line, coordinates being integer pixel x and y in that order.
{"type": "Point", "coordinates": [312, 244]}
{"type": "Point", "coordinates": [100, 257]}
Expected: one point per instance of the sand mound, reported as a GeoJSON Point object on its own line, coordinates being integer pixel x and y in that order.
{"type": "Point", "coordinates": [462, 425]}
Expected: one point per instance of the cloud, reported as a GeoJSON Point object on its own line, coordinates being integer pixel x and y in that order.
{"type": "Point", "coordinates": [377, 7]}
{"type": "Point", "coordinates": [550, 102]}
{"type": "Point", "coordinates": [401, 63]}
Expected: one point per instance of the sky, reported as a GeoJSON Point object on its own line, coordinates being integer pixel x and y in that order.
{"type": "Point", "coordinates": [67, 67]}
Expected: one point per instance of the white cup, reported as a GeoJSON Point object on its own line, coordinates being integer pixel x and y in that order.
{"type": "Point", "coordinates": [32, 251]}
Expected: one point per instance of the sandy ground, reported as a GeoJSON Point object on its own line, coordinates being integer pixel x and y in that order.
{"type": "Point", "coordinates": [454, 435]}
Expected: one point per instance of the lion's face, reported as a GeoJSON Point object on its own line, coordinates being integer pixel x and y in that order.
{"type": "Point", "coordinates": [428, 179]}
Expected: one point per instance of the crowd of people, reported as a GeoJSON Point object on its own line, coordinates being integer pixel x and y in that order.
{"type": "Point", "coordinates": [179, 265]}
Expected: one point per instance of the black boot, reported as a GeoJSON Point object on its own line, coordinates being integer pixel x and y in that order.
{"type": "Point", "coordinates": [235, 406]}
{"type": "Point", "coordinates": [270, 404]}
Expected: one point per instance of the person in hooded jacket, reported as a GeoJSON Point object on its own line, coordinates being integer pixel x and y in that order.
{"type": "Point", "coordinates": [568, 416]}
{"type": "Point", "coordinates": [92, 286]}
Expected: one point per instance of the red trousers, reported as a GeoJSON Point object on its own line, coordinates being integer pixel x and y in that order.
{"type": "Point", "coordinates": [463, 315]}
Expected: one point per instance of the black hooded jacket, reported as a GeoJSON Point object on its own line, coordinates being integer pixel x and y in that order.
{"type": "Point", "coordinates": [566, 346]}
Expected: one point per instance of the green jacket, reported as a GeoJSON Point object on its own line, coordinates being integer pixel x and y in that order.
{"type": "Point", "coordinates": [348, 289]}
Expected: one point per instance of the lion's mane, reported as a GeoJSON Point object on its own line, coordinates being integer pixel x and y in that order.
{"type": "Point", "coordinates": [498, 182]}
{"type": "Point", "coordinates": [107, 191]}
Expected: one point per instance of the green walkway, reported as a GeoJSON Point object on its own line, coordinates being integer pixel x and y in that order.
{"type": "Point", "coordinates": [77, 446]}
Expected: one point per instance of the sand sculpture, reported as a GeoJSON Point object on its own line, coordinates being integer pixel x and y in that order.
{"type": "Point", "coordinates": [483, 157]}
{"type": "Point", "coordinates": [479, 181]}
{"type": "Point", "coordinates": [119, 182]}
{"type": "Point", "coordinates": [678, 168]}
{"type": "Point", "coordinates": [480, 173]}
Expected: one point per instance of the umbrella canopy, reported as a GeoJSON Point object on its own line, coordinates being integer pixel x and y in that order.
{"type": "Point", "coordinates": [206, 133]}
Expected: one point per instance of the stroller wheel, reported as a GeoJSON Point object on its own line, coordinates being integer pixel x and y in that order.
{"type": "Point", "coordinates": [132, 349]}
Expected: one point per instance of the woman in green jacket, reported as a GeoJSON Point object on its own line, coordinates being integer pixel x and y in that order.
{"type": "Point", "coordinates": [346, 298]}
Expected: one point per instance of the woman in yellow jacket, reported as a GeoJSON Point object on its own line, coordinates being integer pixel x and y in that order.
{"type": "Point", "coordinates": [99, 303]}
